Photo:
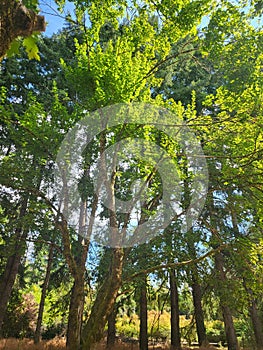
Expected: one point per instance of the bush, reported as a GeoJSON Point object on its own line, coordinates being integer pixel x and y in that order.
{"type": "Point", "coordinates": [215, 332]}
{"type": "Point", "coordinates": [21, 316]}
{"type": "Point", "coordinates": [53, 331]}
{"type": "Point", "coordinates": [128, 326]}
{"type": "Point", "coordinates": [159, 325]}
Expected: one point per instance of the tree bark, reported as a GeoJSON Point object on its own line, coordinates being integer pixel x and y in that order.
{"type": "Point", "coordinates": [257, 324]}
{"type": "Point", "coordinates": [143, 316]}
{"type": "Point", "coordinates": [77, 293]}
{"type": "Point", "coordinates": [77, 270]}
{"type": "Point", "coordinates": [231, 337]}
{"type": "Point", "coordinates": [37, 335]}
{"type": "Point", "coordinates": [232, 343]}
{"type": "Point", "coordinates": [196, 288]}
{"type": "Point", "coordinates": [197, 297]}
{"type": "Point", "coordinates": [111, 336]}
{"type": "Point", "coordinates": [13, 262]}
{"type": "Point", "coordinates": [199, 315]}
{"type": "Point", "coordinates": [104, 303]}
{"type": "Point", "coordinates": [17, 20]}
{"type": "Point", "coordinates": [175, 316]}
{"type": "Point", "coordinates": [75, 314]}
{"type": "Point", "coordinates": [256, 318]}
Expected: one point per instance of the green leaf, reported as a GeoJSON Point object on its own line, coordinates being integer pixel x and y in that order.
{"type": "Point", "coordinates": [14, 48]}
{"type": "Point", "coordinates": [31, 48]}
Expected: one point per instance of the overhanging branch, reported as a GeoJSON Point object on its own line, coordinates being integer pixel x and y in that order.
{"type": "Point", "coordinates": [17, 20]}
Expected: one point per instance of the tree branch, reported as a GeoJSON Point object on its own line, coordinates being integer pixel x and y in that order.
{"type": "Point", "coordinates": [17, 20]}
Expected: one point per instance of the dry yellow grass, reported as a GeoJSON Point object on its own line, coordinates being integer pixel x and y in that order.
{"type": "Point", "coordinates": [26, 344]}
{"type": "Point", "coordinates": [59, 344]}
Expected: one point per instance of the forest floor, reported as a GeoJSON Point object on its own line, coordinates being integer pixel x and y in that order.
{"type": "Point", "coordinates": [59, 344]}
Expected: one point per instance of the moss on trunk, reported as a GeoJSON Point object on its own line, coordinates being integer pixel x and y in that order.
{"type": "Point", "coordinates": [104, 303]}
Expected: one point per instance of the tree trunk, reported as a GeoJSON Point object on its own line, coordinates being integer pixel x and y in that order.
{"type": "Point", "coordinates": [7, 283]}
{"type": "Point", "coordinates": [143, 316]}
{"type": "Point", "coordinates": [175, 317]}
{"type": "Point", "coordinates": [77, 303]}
{"type": "Point", "coordinates": [75, 314]}
{"type": "Point", "coordinates": [256, 320]}
{"type": "Point", "coordinates": [13, 262]}
{"type": "Point", "coordinates": [111, 336]}
{"type": "Point", "coordinates": [77, 270]}
{"type": "Point", "coordinates": [257, 324]}
{"type": "Point", "coordinates": [232, 343]}
{"type": "Point", "coordinates": [231, 337]}
{"type": "Point", "coordinates": [104, 303]}
{"type": "Point", "coordinates": [197, 297]}
{"type": "Point", "coordinates": [43, 296]}
{"type": "Point", "coordinates": [199, 315]}
{"type": "Point", "coordinates": [77, 293]}
{"type": "Point", "coordinates": [16, 20]}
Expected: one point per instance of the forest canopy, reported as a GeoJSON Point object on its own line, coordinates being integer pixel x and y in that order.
{"type": "Point", "coordinates": [131, 174]}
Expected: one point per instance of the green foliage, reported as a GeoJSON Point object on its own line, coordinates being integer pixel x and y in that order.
{"type": "Point", "coordinates": [152, 52]}
{"type": "Point", "coordinates": [128, 326]}
{"type": "Point", "coordinates": [20, 318]}
{"type": "Point", "coordinates": [215, 332]}
{"type": "Point", "coordinates": [31, 47]}
{"type": "Point", "coordinates": [31, 4]}
{"type": "Point", "coordinates": [159, 325]}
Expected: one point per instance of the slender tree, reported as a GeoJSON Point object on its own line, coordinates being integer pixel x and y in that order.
{"type": "Point", "coordinates": [143, 315]}
{"type": "Point", "coordinates": [37, 335]}
{"type": "Point", "coordinates": [175, 315]}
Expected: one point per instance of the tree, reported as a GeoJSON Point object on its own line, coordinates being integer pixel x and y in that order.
{"type": "Point", "coordinates": [143, 314]}
{"type": "Point", "coordinates": [95, 68]}
{"type": "Point", "coordinates": [37, 335]}
{"type": "Point", "coordinates": [118, 53]}
{"type": "Point", "coordinates": [111, 334]}
{"type": "Point", "coordinates": [175, 326]}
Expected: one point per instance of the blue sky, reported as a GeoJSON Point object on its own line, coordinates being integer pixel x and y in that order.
{"type": "Point", "coordinates": [55, 20]}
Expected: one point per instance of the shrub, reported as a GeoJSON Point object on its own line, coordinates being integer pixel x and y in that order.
{"type": "Point", "coordinates": [215, 332]}
{"type": "Point", "coordinates": [21, 316]}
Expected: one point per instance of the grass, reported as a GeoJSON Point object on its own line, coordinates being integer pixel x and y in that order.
{"type": "Point", "coordinates": [59, 344]}
{"type": "Point", "coordinates": [27, 344]}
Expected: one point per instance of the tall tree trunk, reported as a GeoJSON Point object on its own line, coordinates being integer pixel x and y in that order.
{"type": "Point", "coordinates": [198, 309]}
{"type": "Point", "coordinates": [256, 318]}
{"type": "Point", "coordinates": [196, 288]}
{"type": "Point", "coordinates": [143, 316]}
{"type": "Point", "coordinates": [111, 336]}
{"type": "Point", "coordinates": [77, 269]}
{"type": "Point", "coordinates": [43, 296]}
{"type": "Point", "coordinates": [13, 262]}
{"type": "Point", "coordinates": [232, 343]}
{"type": "Point", "coordinates": [104, 302]}
{"type": "Point", "coordinates": [231, 337]}
{"type": "Point", "coordinates": [175, 316]}
{"type": "Point", "coordinates": [197, 297]}
{"type": "Point", "coordinates": [77, 293]}
{"type": "Point", "coordinates": [257, 324]}
{"type": "Point", "coordinates": [75, 314]}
